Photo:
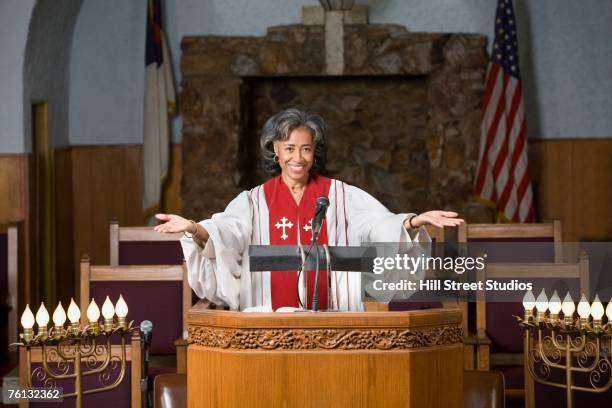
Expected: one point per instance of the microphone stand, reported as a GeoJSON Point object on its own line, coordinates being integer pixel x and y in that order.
{"type": "Point", "coordinates": [319, 216]}
{"type": "Point", "coordinates": [315, 296]}
{"type": "Point", "coordinates": [145, 346]}
{"type": "Point", "coordinates": [330, 299]}
{"type": "Point", "coordinates": [304, 257]}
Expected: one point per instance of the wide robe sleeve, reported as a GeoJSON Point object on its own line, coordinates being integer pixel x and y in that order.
{"type": "Point", "coordinates": [371, 223]}
{"type": "Point", "coordinates": [215, 271]}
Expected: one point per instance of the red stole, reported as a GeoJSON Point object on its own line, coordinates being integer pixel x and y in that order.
{"type": "Point", "coordinates": [287, 220]}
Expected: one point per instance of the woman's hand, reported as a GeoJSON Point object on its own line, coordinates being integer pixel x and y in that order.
{"type": "Point", "coordinates": [436, 218]}
{"type": "Point", "coordinates": [174, 223]}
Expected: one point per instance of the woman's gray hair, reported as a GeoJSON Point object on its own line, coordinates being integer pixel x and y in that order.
{"type": "Point", "coordinates": [280, 126]}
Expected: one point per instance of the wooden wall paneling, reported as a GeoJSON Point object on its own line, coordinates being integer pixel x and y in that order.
{"type": "Point", "coordinates": [64, 232]}
{"type": "Point", "coordinates": [172, 187]}
{"type": "Point", "coordinates": [81, 205]}
{"type": "Point", "coordinates": [573, 183]}
{"type": "Point", "coordinates": [15, 208]}
{"type": "Point", "coordinates": [107, 184]}
{"type": "Point", "coordinates": [13, 185]}
{"type": "Point", "coordinates": [536, 152]}
{"type": "Point", "coordinates": [539, 173]}
{"type": "Point", "coordinates": [106, 177]}
{"type": "Point", "coordinates": [592, 189]}
{"type": "Point", "coordinates": [555, 182]}
{"type": "Point", "coordinates": [561, 198]}
{"type": "Point", "coordinates": [132, 204]}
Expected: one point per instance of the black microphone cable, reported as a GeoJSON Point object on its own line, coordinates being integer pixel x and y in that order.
{"type": "Point", "coordinates": [297, 287]}
{"type": "Point", "coordinates": [315, 295]}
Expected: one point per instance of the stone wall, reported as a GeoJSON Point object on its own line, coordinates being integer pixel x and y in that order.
{"type": "Point", "coordinates": [403, 119]}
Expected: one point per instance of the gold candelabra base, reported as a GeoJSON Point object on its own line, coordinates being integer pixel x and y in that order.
{"type": "Point", "coordinates": [569, 347]}
{"type": "Point", "coordinates": [73, 355]}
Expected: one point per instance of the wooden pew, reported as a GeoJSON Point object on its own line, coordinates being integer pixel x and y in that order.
{"type": "Point", "coordinates": [143, 274]}
{"type": "Point", "coordinates": [122, 238]}
{"type": "Point", "coordinates": [11, 233]}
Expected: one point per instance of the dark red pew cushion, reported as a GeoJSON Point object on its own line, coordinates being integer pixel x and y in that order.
{"type": "Point", "coordinates": [157, 301]}
{"type": "Point", "coordinates": [150, 253]}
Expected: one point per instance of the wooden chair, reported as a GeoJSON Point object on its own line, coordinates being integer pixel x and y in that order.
{"type": "Point", "coordinates": [143, 246]}
{"type": "Point", "coordinates": [483, 389]}
{"type": "Point", "coordinates": [537, 232]}
{"type": "Point", "coordinates": [435, 233]}
{"type": "Point", "coordinates": [498, 329]}
{"type": "Point", "coordinates": [127, 393]}
{"type": "Point", "coordinates": [9, 278]}
{"type": "Point", "coordinates": [483, 237]}
{"type": "Point", "coordinates": [145, 287]}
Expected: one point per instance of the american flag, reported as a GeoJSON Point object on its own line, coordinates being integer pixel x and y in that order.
{"type": "Point", "coordinates": [502, 179]}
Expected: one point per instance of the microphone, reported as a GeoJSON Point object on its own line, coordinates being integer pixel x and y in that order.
{"type": "Point", "coordinates": [146, 330]}
{"type": "Point", "coordinates": [319, 216]}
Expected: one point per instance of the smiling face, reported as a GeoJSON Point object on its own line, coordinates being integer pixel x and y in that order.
{"type": "Point", "coordinates": [295, 155]}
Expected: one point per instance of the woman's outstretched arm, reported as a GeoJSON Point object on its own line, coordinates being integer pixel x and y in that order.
{"type": "Point", "coordinates": [176, 223]}
{"type": "Point", "coordinates": [436, 218]}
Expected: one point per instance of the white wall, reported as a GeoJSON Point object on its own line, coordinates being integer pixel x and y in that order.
{"type": "Point", "coordinates": [46, 67]}
{"type": "Point", "coordinates": [107, 73]}
{"type": "Point", "coordinates": [14, 22]}
{"type": "Point", "coordinates": [565, 55]}
{"type": "Point", "coordinates": [567, 67]}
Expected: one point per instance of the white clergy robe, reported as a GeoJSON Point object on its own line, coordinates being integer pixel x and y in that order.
{"type": "Point", "coordinates": [220, 271]}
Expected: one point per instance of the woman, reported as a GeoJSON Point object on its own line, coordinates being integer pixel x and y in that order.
{"type": "Point", "coordinates": [279, 212]}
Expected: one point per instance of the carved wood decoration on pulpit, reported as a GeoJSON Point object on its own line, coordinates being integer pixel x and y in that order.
{"type": "Point", "coordinates": [311, 339]}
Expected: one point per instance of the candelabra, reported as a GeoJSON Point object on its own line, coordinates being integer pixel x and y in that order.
{"type": "Point", "coordinates": [570, 345]}
{"type": "Point", "coordinates": [87, 349]}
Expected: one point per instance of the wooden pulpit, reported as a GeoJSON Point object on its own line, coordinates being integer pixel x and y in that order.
{"type": "Point", "coordinates": [325, 359]}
